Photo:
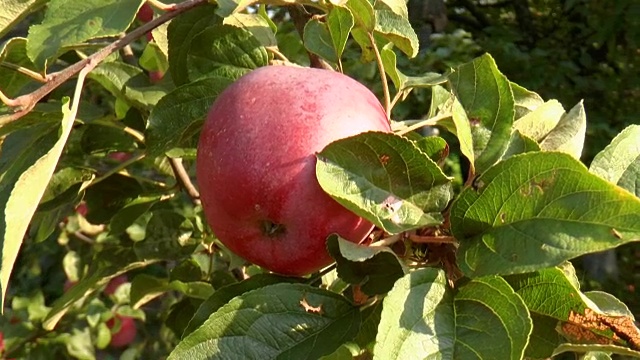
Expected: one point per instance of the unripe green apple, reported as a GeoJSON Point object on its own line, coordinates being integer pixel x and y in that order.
{"type": "Point", "coordinates": [256, 164]}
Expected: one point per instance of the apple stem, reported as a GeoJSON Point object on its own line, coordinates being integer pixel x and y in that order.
{"type": "Point", "coordinates": [383, 77]}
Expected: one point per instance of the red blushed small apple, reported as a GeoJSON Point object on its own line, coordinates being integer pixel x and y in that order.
{"type": "Point", "coordinates": [68, 284]}
{"type": "Point", "coordinates": [114, 284]}
{"type": "Point", "coordinates": [120, 156]}
{"type": "Point", "coordinates": [145, 14]}
{"type": "Point", "coordinates": [256, 164]}
{"type": "Point", "coordinates": [127, 332]}
{"type": "Point", "coordinates": [155, 76]}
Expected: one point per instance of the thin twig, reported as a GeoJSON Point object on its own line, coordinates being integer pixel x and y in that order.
{"type": "Point", "coordinates": [427, 122]}
{"type": "Point", "coordinates": [432, 239]}
{"type": "Point", "coordinates": [24, 71]}
{"type": "Point", "coordinates": [383, 77]}
{"type": "Point", "coordinates": [161, 6]}
{"type": "Point", "coordinates": [388, 241]}
{"type": "Point", "coordinates": [116, 169]}
{"type": "Point", "coordinates": [184, 180]}
{"type": "Point", "coordinates": [25, 103]}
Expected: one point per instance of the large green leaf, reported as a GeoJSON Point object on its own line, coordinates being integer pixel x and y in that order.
{"type": "Point", "coordinates": [363, 14]}
{"type": "Point", "coordinates": [422, 319]}
{"type": "Point", "coordinates": [226, 293]}
{"type": "Point", "coordinates": [568, 136]}
{"type": "Point", "coordinates": [385, 178]}
{"type": "Point", "coordinates": [68, 23]}
{"type": "Point", "coordinates": [284, 321]}
{"type": "Point", "coordinates": [28, 158]}
{"type": "Point", "coordinates": [317, 39]}
{"type": "Point", "coordinates": [15, 10]}
{"type": "Point", "coordinates": [396, 29]}
{"type": "Point", "coordinates": [537, 210]}
{"type": "Point", "coordinates": [176, 119]}
{"type": "Point", "coordinates": [619, 162]}
{"type": "Point", "coordinates": [487, 98]}
{"type": "Point", "coordinates": [180, 32]}
{"type": "Point", "coordinates": [340, 21]}
{"type": "Point", "coordinates": [224, 51]}
{"type": "Point", "coordinates": [258, 25]}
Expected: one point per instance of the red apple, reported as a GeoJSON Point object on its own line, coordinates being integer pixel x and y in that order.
{"type": "Point", "coordinates": [145, 14]}
{"type": "Point", "coordinates": [155, 76]}
{"type": "Point", "coordinates": [68, 284]}
{"type": "Point", "coordinates": [120, 156]}
{"type": "Point", "coordinates": [126, 333]}
{"type": "Point", "coordinates": [256, 164]}
{"type": "Point", "coordinates": [114, 284]}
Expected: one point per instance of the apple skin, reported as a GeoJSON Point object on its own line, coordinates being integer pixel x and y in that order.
{"type": "Point", "coordinates": [256, 164]}
{"type": "Point", "coordinates": [127, 333]}
{"type": "Point", "coordinates": [114, 284]}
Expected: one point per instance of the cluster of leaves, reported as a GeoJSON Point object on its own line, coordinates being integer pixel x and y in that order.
{"type": "Point", "coordinates": [473, 266]}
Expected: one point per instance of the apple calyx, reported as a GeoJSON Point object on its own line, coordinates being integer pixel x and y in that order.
{"type": "Point", "coordinates": [272, 229]}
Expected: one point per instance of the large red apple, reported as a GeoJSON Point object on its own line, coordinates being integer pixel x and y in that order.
{"type": "Point", "coordinates": [256, 164]}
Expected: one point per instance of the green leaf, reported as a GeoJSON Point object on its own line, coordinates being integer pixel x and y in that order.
{"type": "Point", "coordinates": [14, 51]}
{"type": "Point", "coordinates": [525, 100]}
{"type": "Point", "coordinates": [519, 144]}
{"type": "Point", "coordinates": [619, 162]}
{"type": "Point", "coordinates": [375, 269]}
{"type": "Point", "coordinates": [544, 338]}
{"type": "Point", "coordinates": [386, 179]}
{"type": "Point", "coordinates": [107, 197]}
{"type": "Point", "coordinates": [422, 318]}
{"type": "Point", "coordinates": [568, 135]}
{"type": "Point", "coordinates": [97, 137]}
{"type": "Point", "coordinates": [177, 118]}
{"type": "Point", "coordinates": [25, 171]}
{"type": "Point", "coordinates": [293, 321]}
{"type": "Point", "coordinates": [106, 265]}
{"type": "Point", "coordinates": [257, 25]}
{"type": "Point", "coordinates": [363, 14]}
{"type": "Point", "coordinates": [340, 21]}
{"type": "Point", "coordinates": [610, 349]}
{"type": "Point", "coordinates": [398, 7]}
{"type": "Point", "coordinates": [181, 32]}
{"type": "Point", "coordinates": [129, 84]}
{"type": "Point", "coordinates": [224, 51]}
{"type": "Point", "coordinates": [168, 236]}
{"type": "Point", "coordinates": [486, 96]}
{"type": "Point", "coordinates": [398, 30]}
{"type": "Point", "coordinates": [72, 23]}
{"type": "Point", "coordinates": [130, 212]}
{"type": "Point", "coordinates": [145, 288]}
{"type": "Point", "coordinates": [537, 210]}
{"type": "Point", "coordinates": [226, 293]}
{"type": "Point", "coordinates": [317, 39]}
{"type": "Point", "coordinates": [548, 292]}
{"type": "Point", "coordinates": [435, 147]}
{"type": "Point", "coordinates": [13, 11]}
{"type": "Point", "coordinates": [539, 122]}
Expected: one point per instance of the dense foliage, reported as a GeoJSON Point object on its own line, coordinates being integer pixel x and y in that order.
{"type": "Point", "coordinates": [479, 196]}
